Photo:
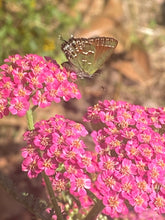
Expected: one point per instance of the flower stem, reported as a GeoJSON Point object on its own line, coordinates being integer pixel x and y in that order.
{"type": "Point", "coordinates": [29, 116]}
{"type": "Point", "coordinates": [52, 197]}
{"type": "Point", "coordinates": [94, 212]}
{"type": "Point", "coordinates": [97, 208]}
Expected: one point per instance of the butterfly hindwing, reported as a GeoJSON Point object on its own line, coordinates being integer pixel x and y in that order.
{"type": "Point", "coordinates": [86, 59]}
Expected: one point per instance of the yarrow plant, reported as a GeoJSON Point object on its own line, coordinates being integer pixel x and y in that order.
{"type": "Point", "coordinates": [33, 80]}
{"type": "Point", "coordinates": [125, 172]}
{"type": "Point", "coordinates": [130, 144]}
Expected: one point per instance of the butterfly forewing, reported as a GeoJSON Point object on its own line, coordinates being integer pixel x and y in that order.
{"type": "Point", "coordinates": [88, 54]}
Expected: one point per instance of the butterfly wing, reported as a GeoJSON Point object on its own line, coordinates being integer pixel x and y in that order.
{"type": "Point", "coordinates": [77, 50]}
{"type": "Point", "coordinates": [85, 59]}
{"type": "Point", "coordinates": [88, 54]}
{"type": "Point", "coordinates": [104, 47]}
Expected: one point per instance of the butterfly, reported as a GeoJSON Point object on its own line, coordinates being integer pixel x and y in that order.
{"type": "Point", "coordinates": [86, 55]}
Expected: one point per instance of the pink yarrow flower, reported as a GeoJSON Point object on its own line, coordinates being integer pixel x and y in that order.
{"type": "Point", "coordinates": [19, 106]}
{"type": "Point", "coordinates": [51, 143]}
{"type": "Point", "coordinates": [139, 200]}
{"type": "Point", "coordinates": [130, 145]}
{"type": "Point", "coordinates": [32, 80]}
{"type": "Point", "coordinates": [80, 183]}
{"type": "Point", "coordinates": [114, 205]}
{"type": "Point", "coordinates": [127, 168]}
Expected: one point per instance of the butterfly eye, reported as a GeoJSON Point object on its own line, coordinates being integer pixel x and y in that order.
{"type": "Point", "coordinates": [87, 55]}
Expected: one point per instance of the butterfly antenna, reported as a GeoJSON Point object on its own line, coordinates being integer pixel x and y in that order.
{"type": "Point", "coordinates": [61, 38]}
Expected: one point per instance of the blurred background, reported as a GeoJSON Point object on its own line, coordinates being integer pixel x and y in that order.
{"type": "Point", "coordinates": [135, 72]}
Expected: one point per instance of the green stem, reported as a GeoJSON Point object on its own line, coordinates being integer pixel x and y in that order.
{"type": "Point", "coordinates": [97, 208]}
{"type": "Point", "coordinates": [29, 116]}
{"type": "Point", "coordinates": [52, 197]}
{"type": "Point", "coordinates": [94, 212]}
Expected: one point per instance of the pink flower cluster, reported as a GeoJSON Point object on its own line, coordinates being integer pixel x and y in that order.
{"type": "Point", "coordinates": [55, 147]}
{"type": "Point", "coordinates": [130, 145]}
{"type": "Point", "coordinates": [126, 171]}
{"type": "Point", "coordinates": [32, 78]}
